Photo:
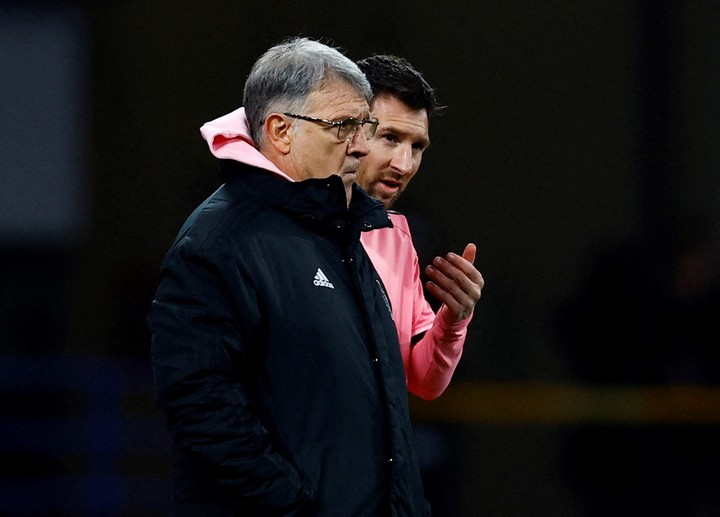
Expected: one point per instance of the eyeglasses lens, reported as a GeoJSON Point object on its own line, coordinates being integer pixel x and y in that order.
{"type": "Point", "coordinates": [350, 126]}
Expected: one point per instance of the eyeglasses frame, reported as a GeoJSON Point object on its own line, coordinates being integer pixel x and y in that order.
{"type": "Point", "coordinates": [340, 123]}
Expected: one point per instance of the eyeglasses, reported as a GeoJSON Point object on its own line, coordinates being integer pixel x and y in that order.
{"type": "Point", "coordinates": [346, 128]}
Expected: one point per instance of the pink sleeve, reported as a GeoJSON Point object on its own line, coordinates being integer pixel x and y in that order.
{"type": "Point", "coordinates": [434, 358]}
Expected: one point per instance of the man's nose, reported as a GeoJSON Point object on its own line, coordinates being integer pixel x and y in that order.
{"type": "Point", "coordinates": [357, 143]}
{"type": "Point", "coordinates": [403, 160]}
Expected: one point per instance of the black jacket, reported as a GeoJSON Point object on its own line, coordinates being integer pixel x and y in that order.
{"type": "Point", "coordinates": [276, 359]}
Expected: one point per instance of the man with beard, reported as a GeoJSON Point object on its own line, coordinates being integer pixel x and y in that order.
{"type": "Point", "coordinates": [431, 344]}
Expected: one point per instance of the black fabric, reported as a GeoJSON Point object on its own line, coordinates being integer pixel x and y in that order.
{"type": "Point", "coordinates": [284, 394]}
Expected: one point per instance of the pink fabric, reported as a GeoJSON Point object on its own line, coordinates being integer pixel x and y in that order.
{"type": "Point", "coordinates": [228, 137]}
{"type": "Point", "coordinates": [430, 363]}
{"type": "Point", "coordinates": [393, 255]}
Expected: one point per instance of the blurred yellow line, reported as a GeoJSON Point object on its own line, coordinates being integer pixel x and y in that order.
{"type": "Point", "coordinates": [549, 403]}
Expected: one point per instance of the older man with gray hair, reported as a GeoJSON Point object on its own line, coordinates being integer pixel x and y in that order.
{"type": "Point", "coordinates": [275, 355]}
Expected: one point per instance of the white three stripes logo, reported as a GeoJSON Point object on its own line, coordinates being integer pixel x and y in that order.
{"type": "Point", "coordinates": [321, 280]}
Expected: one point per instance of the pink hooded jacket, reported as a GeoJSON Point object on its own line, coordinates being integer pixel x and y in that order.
{"type": "Point", "coordinates": [429, 363]}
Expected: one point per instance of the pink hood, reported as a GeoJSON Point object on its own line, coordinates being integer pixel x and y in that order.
{"type": "Point", "coordinates": [228, 137]}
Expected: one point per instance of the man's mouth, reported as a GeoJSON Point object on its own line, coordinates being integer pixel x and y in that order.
{"type": "Point", "coordinates": [390, 184]}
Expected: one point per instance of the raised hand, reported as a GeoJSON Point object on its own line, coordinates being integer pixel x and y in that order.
{"type": "Point", "coordinates": [456, 282]}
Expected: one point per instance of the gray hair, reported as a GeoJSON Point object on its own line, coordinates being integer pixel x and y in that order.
{"type": "Point", "coordinates": [285, 75]}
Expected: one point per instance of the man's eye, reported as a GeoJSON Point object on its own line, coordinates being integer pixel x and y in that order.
{"type": "Point", "coordinates": [348, 124]}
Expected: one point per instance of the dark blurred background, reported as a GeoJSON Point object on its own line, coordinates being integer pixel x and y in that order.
{"type": "Point", "coordinates": [579, 150]}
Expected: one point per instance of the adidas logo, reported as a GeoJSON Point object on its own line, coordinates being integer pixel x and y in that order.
{"type": "Point", "coordinates": [321, 280]}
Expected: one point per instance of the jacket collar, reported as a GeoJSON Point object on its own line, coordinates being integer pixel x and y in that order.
{"type": "Point", "coordinates": [315, 202]}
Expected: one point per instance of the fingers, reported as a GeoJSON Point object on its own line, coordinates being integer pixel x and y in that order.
{"type": "Point", "coordinates": [463, 286]}
{"type": "Point", "coordinates": [460, 269]}
{"type": "Point", "coordinates": [456, 282]}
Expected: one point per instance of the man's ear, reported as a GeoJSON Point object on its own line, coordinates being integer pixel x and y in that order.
{"type": "Point", "coordinates": [277, 133]}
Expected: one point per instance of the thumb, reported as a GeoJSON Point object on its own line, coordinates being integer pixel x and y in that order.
{"type": "Point", "coordinates": [469, 253]}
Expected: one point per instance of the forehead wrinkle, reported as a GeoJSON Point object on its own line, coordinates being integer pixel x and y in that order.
{"type": "Point", "coordinates": [342, 100]}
